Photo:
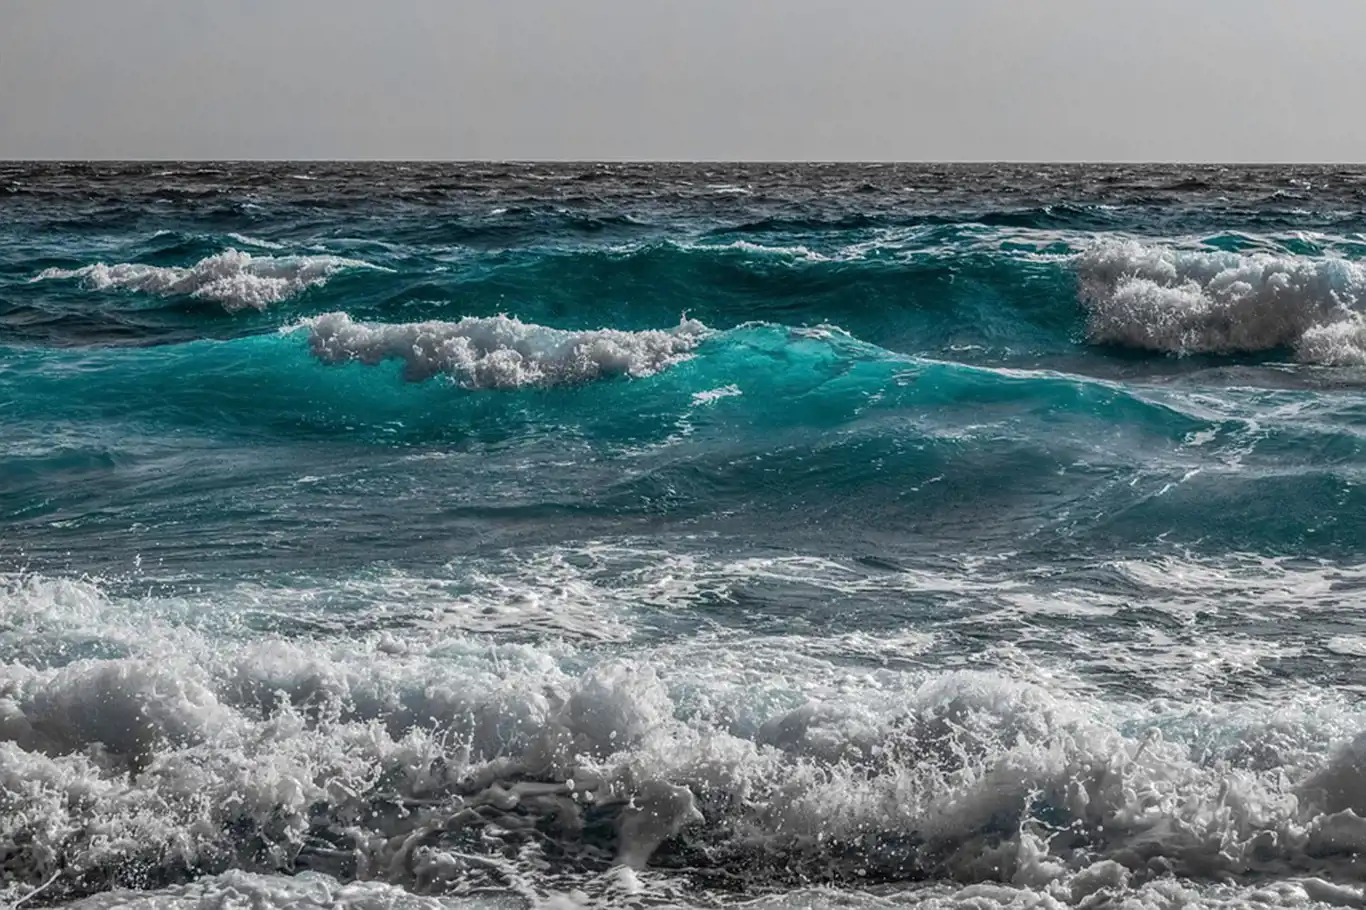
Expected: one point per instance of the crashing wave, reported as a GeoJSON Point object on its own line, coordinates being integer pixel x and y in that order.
{"type": "Point", "coordinates": [1205, 302]}
{"type": "Point", "coordinates": [501, 352]}
{"type": "Point", "coordinates": [440, 761]}
{"type": "Point", "coordinates": [235, 279]}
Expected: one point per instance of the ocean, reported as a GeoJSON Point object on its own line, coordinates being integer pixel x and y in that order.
{"type": "Point", "coordinates": [682, 535]}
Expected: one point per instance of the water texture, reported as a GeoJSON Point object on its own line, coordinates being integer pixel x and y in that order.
{"type": "Point", "coordinates": [508, 535]}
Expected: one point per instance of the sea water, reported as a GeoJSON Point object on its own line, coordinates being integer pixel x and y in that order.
{"type": "Point", "coordinates": [418, 535]}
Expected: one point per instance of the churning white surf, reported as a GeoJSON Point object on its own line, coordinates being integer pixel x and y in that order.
{"type": "Point", "coordinates": [1185, 301]}
{"type": "Point", "coordinates": [502, 352]}
{"type": "Point", "coordinates": [178, 739]}
{"type": "Point", "coordinates": [233, 278]}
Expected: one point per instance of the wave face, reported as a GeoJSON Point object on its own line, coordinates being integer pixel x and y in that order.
{"type": "Point", "coordinates": [664, 535]}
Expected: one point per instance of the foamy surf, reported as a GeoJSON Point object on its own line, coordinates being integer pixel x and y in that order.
{"type": "Point", "coordinates": [233, 278]}
{"type": "Point", "coordinates": [159, 743]}
{"type": "Point", "coordinates": [1184, 301]}
{"type": "Point", "coordinates": [502, 352]}
{"type": "Point", "coordinates": [1103, 885]}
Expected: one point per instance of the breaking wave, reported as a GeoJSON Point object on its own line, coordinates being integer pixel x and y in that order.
{"type": "Point", "coordinates": [501, 352]}
{"type": "Point", "coordinates": [235, 279]}
{"type": "Point", "coordinates": [970, 543]}
{"type": "Point", "coordinates": [140, 746]}
{"type": "Point", "coordinates": [1203, 302]}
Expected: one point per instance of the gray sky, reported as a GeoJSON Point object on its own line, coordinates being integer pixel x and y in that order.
{"type": "Point", "coordinates": [1229, 80]}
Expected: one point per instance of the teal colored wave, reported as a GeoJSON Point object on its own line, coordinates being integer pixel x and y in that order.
{"type": "Point", "coordinates": [822, 377]}
{"type": "Point", "coordinates": [965, 292]}
{"type": "Point", "coordinates": [948, 378]}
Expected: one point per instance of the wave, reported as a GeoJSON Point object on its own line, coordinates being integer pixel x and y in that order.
{"type": "Point", "coordinates": [925, 294]}
{"type": "Point", "coordinates": [501, 352]}
{"type": "Point", "coordinates": [256, 241]}
{"type": "Point", "coordinates": [235, 279]}
{"type": "Point", "coordinates": [864, 437]}
{"type": "Point", "coordinates": [332, 370]}
{"type": "Point", "coordinates": [823, 371]}
{"type": "Point", "coordinates": [419, 755]}
{"type": "Point", "coordinates": [964, 292]}
{"type": "Point", "coordinates": [1184, 301]}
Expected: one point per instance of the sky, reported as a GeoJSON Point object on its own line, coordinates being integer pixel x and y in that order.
{"type": "Point", "coordinates": [914, 80]}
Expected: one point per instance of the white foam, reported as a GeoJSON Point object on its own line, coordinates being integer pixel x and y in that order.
{"type": "Point", "coordinates": [398, 747]}
{"type": "Point", "coordinates": [246, 240]}
{"type": "Point", "coordinates": [1186, 301]}
{"type": "Point", "coordinates": [795, 251]}
{"type": "Point", "coordinates": [1103, 884]}
{"type": "Point", "coordinates": [501, 352]}
{"type": "Point", "coordinates": [235, 279]}
{"type": "Point", "coordinates": [711, 396]}
{"type": "Point", "coordinates": [306, 891]}
{"type": "Point", "coordinates": [1340, 343]}
{"type": "Point", "coordinates": [1347, 645]}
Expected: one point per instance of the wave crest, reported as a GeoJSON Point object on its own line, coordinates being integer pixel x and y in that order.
{"type": "Point", "coordinates": [502, 352]}
{"type": "Point", "coordinates": [1205, 302]}
{"type": "Point", "coordinates": [235, 279]}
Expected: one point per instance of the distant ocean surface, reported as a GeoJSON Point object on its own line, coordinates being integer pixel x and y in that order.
{"type": "Point", "coordinates": [589, 535]}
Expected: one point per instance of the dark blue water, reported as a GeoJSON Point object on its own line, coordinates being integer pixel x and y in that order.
{"type": "Point", "coordinates": [681, 534]}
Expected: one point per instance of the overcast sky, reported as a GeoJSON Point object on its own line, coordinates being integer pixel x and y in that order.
{"type": "Point", "coordinates": [1229, 80]}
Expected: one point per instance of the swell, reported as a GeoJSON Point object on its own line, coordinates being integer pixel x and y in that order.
{"type": "Point", "coordinates": [963, 292]}
{"type": "Point", "coordinates": [910, 293]}
{"type": "Point", "coordinates": [675, 424]}
{"type": "Point", "coordinates": [366, 371]}
{"type": "Point", "coordinates": [1059, 216]}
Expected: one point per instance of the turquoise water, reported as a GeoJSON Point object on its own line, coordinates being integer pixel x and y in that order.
{"type": "Point", "coordinates": [654, 535]}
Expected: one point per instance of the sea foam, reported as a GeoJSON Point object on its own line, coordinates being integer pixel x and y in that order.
{"type": "Point", "coordinates": [233, 278]}
{"type": "Point", "coordinates": [501, 352]}
{"type": "Point", "coordinates": [1185, 301]}
{"type": "Point", "coordinates": [436, 765]}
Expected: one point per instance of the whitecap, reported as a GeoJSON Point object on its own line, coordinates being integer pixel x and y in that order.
{"type": "Point", "coordinates": [255, 241]}
{"type": "Point", "coordinates": [501, 352]}
{"type": "Point", "coordinates": [233, 278]}
{"type": "Point", "coordinates": [1184, 301]}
